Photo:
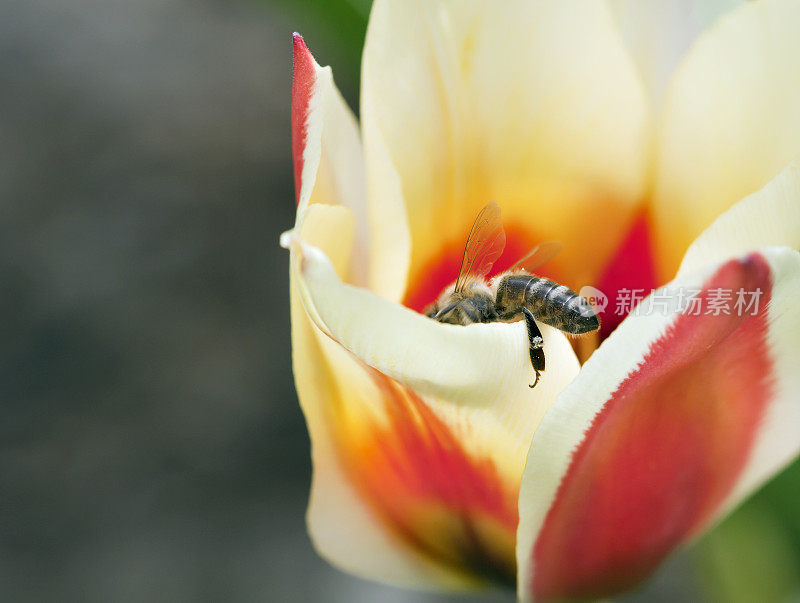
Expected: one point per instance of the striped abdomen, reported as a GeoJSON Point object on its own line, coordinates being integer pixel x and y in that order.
{"type": "Point", "coordinates": [549, 302]}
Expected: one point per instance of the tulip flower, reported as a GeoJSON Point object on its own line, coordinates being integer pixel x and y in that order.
{"type": "Point", "coordinates": [657, 145]}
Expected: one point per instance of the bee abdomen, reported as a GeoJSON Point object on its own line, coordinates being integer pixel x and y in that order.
{"type": "Point", "coordinates": [560, 307]}
{"type": "Point", "coordinates": [545, 294]}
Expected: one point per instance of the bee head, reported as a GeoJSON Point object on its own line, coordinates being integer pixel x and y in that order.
{"type": "Point", "coordinates": [446, 311]}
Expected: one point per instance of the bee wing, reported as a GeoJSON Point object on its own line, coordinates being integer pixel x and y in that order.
{"type": "Point", "coordinates": [485, 243]}
{"type": "Point", "coordinates": [538, 256]}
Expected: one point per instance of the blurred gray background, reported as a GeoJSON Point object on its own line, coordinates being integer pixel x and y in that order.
{"type": "Point", "coordinates": [151, 445]}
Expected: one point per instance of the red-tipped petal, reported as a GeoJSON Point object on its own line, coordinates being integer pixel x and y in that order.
{"type": "Point", "coordinates": [326, 149]}
{"type": "Point", "coordinates": [665, 450]}
{"type": "Point", "coordinates": [304, 76]}
{"type": "Point", "coordinates": [677, 417]}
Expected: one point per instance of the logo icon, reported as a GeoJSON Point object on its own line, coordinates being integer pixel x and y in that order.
{"type": "Point", "coordinates": [598, 301]}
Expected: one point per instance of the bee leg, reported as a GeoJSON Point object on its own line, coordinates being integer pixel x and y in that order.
{"type": "Point", "coordinates": [536, 343]}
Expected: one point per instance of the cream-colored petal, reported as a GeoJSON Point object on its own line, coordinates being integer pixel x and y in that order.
{"type": "Point", "coordinates": [730, 121]}
{"type": "Point", "coordinates": [483, 368]}
{"type": "Point", "coordinates": [390, 239]}
{"type": "Point", "coordinates": [768, 217]}
{"type": "Point", "coordinates": [473, 380]}
{"type": "Point", "coordinates": [343, 527]}
{"type": "Point", "coordinates": [658, 34]}
{"type": "Point", "coordinates": [536, 106]}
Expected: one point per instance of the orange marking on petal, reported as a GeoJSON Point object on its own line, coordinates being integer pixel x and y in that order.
{"type": "Point", "coordinates": [664, 452]}
{"type": "Point", "coordinates": [441, 270]}
{"type": "Point", "coordinates": [443, 501]}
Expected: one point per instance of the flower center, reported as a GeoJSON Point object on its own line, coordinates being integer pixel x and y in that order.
{"type": "Point", "coordinates": [629, 271]}
{"type": "Point", "coordinates": [441, 270]}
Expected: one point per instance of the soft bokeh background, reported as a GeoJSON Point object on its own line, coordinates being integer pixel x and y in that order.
{"type": "Point", "coordinates": [151, 446]}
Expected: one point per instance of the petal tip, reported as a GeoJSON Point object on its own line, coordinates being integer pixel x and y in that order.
{"type": "Point", "coordinates": [287, 239]}
{"type": "Point", "coordinates": [294, 242]}
{"type": "Point", "coordinates": [298, 43]}
{"type": "Point", "coordinates": [302, 56]}
{"type": "Point", "coordinates": [303, 79]}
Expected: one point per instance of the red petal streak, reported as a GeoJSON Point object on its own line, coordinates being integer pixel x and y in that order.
{"type": "Point", "coordinates": [664, 452]}
{"type": "Point", "coordinates": [631, 267]}
{"type": "Point", "coordinates": [417, 476]}
{"type": "Point", "coordinates": [303, 79]}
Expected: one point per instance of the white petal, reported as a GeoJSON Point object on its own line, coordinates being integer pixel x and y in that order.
{"type": "Point", "coordinates": [484, 366]}
{"type": "Point", "coordinates": [769, 217]}
{"type": "Point", "coordinates": [730, 121]}
{"type": "Point", "coordinates": [659, 33]}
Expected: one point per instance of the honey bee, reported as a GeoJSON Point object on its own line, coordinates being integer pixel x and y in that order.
{"type": "Point", "coordinates": [514, 295]}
